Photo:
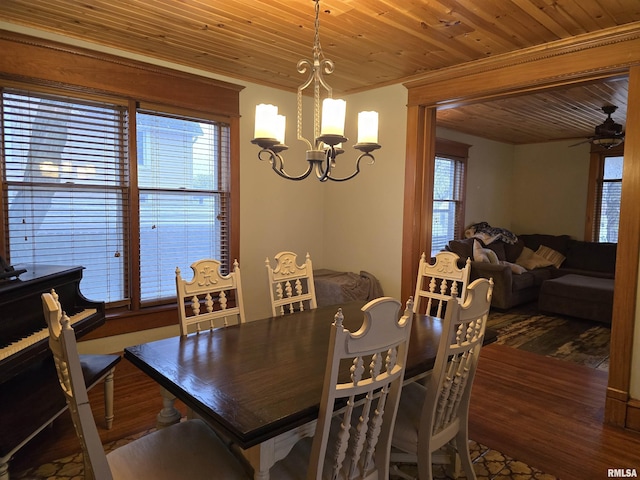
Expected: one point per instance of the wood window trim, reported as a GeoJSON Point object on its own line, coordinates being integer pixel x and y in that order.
{"type": "Point", "coordinates": [460, 152]}
{"type": "Point", "coordinates": [45, 65]}
{"type": "Point", "coordinates": [613, 52]}
{"type": "Point", "coordinates": [596, 167]}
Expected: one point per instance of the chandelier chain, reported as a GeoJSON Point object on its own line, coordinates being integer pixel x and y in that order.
{"type": "Point", "coordinates": [317, 48]}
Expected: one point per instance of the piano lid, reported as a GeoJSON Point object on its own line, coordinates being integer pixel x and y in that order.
{"type": "Point", "coordinates": [21, 312]}
{"type": "Point", "coordinates": [7, 271]}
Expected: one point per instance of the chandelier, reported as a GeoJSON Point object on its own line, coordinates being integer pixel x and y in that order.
{"type": "Point", "coordinates": [328, 130]}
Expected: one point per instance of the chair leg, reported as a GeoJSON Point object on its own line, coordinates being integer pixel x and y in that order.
{"type": "Point", "coordinates": [395, 471]}
{"type": "Point", "coordinates": [462, 445]}
{"type": "Point", "coordinates": [108, 398]}
{"type": "Point", "coordinates": [425, 466]}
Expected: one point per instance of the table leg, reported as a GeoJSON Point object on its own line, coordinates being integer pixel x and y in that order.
{"type": "Point", "coordinates": [169, 413]}
{"type": "Point", "coordinates": [261, 458]}
{"type": "Point", "coordinates": [264, 455]}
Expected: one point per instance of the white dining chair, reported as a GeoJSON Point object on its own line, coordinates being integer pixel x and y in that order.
{"type": "Point", "coordinates": [210, 299]}
{"type": "Point", "coordinates": [93, 364]}
{"type": "Point", "coordinates": [434, 416]}
{"type": "Point", "coordinates": [187, 450]}
{"type": "Point", "coordinates": [291, 286]}
{"type": "Point", "coordinates": [363, 379]}
{"type": "Point", "coordinates": [438, 281]}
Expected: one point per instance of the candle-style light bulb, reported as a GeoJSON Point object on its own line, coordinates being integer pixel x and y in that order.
{"type": "Point", "coordinates": [333, 114]}
{"type": "Point", "coordinates": [368, 127]}
{"type": "Point", "coordinates": [265, 121]}
{"type": "Point", "coordinates": [280, 123]}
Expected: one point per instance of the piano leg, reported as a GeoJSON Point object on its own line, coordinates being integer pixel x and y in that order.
{"type": "Point", "coordinates": [108, 399]}
{"type": "Point", "coordinates": [4, 469]}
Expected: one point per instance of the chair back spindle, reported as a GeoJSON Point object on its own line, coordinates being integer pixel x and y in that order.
{"type": "Point", "coordinates": [375, 356]}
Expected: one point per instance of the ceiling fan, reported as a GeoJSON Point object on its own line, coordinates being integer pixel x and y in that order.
{"type": "Point", "coordinates": [609, 133]}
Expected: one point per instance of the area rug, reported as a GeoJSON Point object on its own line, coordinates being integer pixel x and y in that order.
{"type": "Point", "coordinates": [488, 464]}
{"type": "Point", "coordinates": [575, 340]}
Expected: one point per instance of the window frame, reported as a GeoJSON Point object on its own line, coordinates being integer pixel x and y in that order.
{"type": "Point", "coordinates": [49, 67]}
{"type": "Point", "coordinates": [459, 153]}
{"type": "Point", "coordinates": [594, 190]}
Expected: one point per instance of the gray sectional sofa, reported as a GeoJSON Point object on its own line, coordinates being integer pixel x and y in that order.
{"type": "Point", "coordinates": [515, 285]}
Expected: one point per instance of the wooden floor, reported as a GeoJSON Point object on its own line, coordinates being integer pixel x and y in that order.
{"type": "Point", "coordinates": [548, 413]}
{"type": "Point", "coordinates": [544, 412]}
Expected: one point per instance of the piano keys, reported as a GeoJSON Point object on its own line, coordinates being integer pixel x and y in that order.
{"type": "Point", "coordinates": [23, 330]}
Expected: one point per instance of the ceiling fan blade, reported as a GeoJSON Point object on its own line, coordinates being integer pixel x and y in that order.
{"type": "Point", "coordinates": [580, 143]}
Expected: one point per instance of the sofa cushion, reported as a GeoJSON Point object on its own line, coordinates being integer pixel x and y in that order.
{"type": "Point", "coordinates": [591, 256]}
{"type": "Point", "coordinates": [540, 275]}
{"type": "Point", "coordinates": [513, 251]}
{"type": "Point", "coordinates": [499, 248]}
{"type": "Point", "coordinates": [515, 268]}
{"type": "Point", "coordinates": [462, 248]}
{"type": "Point", "coordinates": [560, 243]}
{"type": "Point", "coordinates": [518, 282]}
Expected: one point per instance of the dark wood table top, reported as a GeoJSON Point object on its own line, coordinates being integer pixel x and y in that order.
{"type": "Point", "coordinates": [262, 378]}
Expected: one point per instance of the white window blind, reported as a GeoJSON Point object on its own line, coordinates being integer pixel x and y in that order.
{"type": "Point", "coordinates": [183, 180]}
{"type": "Point", "coordinates": [608, 214]}
{"type": "Point", "coordinates": [66, 179]}
{"type": "Point", "coordinates": [447, 202]}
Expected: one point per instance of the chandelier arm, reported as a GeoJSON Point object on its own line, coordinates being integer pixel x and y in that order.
{"type": "Point", "coordinates": [277, 164]}
{"type": "Point", "coordinates": [357, 170]}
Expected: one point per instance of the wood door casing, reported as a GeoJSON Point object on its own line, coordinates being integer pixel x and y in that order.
{"type": "Point", "coordinates": [531, 70]}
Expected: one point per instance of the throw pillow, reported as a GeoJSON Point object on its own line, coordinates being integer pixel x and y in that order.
{"type": "Point", "coordinates": [555, 257]}
{"type": "Point", "coordinates": [483, 254]}
{"type": "Point", "coordinates": [515, 268]}
{"type": "Point", "coordinates": [530, 259]}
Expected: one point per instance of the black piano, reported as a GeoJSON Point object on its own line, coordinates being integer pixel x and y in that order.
{"type": "Point", "coordinates": [30, 395]}
{"type": "Point", "coordinates": [23, 330]}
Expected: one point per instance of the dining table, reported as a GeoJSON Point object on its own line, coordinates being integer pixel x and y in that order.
{"type": "Point", "coordinates": [259, 383]}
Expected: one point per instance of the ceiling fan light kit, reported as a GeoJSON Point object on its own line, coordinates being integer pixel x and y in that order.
{"type": "Point", "coordinates": [609, 134]}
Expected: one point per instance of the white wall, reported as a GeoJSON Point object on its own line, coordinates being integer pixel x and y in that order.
{"type": "Point", "coordinates": [275, 214]}
{"type": "Point", "coordinates": [363, 216]}
{"type": "Point", "coordinates": [550, 188]}
{"type": "Point", "coordinates": [489, 179]}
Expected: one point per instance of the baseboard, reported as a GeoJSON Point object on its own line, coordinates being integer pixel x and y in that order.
{"type": "Point", "coordinates": [633, 415]}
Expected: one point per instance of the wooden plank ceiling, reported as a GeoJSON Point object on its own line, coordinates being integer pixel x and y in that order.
{"type": "Point", "coordinates": [372, 43]}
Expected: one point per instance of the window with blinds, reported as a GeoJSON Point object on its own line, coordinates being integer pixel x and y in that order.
{"type": "Point", "coordinates": [448, 206]}
{"type": "Point", "coordinates": [66, 181]}
{"type": "Point", "coordinates": [608, 207]}
{"type": "Point", "coordinates": [183, 171]}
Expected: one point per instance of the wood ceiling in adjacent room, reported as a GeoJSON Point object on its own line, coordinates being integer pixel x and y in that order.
{"type": "Point", "coordinates": [372, 42]}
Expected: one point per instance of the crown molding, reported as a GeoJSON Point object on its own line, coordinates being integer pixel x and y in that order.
{"type": "Point", "coordinates": [601, 54]}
